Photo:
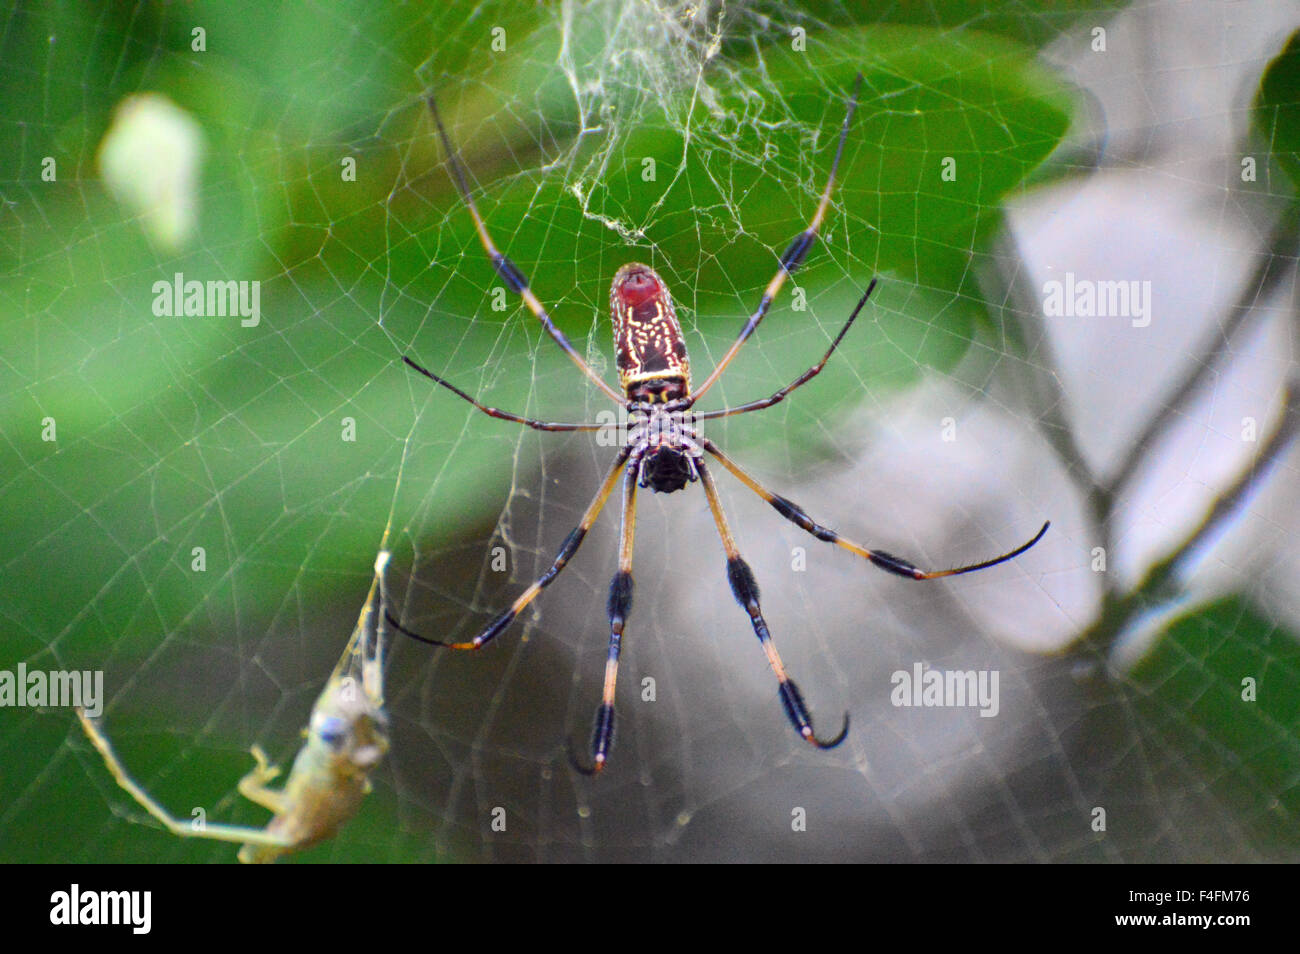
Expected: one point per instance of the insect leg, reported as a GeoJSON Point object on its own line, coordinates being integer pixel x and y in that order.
{"type": "Point", "coordinates": [184, 829]}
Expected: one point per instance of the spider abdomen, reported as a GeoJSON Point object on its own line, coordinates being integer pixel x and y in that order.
{"type": "Point", "coordinates": [649, 349]}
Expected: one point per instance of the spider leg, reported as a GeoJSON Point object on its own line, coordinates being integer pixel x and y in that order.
{"type": "Point", "coordinates": [508, 270]}
{"type": "Point", "coordinates": [620, 604]}
{"type": "Point", "coordinates": [184, 829]}
{"type": "Point", "coordinates": [803, 379]}
{"type": "Point", "coordinates": [567, 550]}
{"type": "Point", "coordinates": [886, 561]}
{"type": "Point", "coordinates": [745, 589]}
{"type": "Point", "coordinates": [502, 415]}
{"type": "Point", "coordinates": [793, 256]}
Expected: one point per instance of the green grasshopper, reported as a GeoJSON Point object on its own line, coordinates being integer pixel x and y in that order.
{"type": "Point", "coordinates": [345, 740]}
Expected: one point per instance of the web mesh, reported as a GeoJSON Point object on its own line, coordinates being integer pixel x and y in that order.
{"type": "Point", "coordinates": [953, 420]}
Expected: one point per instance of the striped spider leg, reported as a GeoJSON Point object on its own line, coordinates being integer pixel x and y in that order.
{"type": "Point", "coordinates": [664, 448]}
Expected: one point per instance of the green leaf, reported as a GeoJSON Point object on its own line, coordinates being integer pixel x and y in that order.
{"type": "Point", "coordinates": [1276, 113]}
{"type": "Point", "coordinates": [1222, 688]}
{"type": "Point", "coordinates": [1033, 22]}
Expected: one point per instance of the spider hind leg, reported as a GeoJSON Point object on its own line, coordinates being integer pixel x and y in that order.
{"type": "Point", "coordinates": [745, 588]}
{"type": "Point", "coordinates": [618, 607]}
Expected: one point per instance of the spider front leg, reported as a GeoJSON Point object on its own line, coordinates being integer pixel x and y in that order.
{"type": "Point", "coordinates": [886, 561]}
{"type": "Point", "coordinates": [792, 257]}
{"type": "Point", "coordinates": [620, 604]}
{"type": "Point", "coordinates": [745, 588]}
{"type": "Point", "coordinates": [781, 394]}
{"type": "Point", "coordinates": [508, 271]}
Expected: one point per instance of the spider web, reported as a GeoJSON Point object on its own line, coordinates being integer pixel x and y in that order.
{"type": "Point", "coordinates": [955, 419]}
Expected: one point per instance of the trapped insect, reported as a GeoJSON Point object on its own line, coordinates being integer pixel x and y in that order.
{"type": "Point", "coordinates": [346, 739]}
{"type": "Point", "coordinates": [665, 449]}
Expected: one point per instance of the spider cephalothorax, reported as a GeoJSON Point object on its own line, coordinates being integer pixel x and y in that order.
{"type": "Point", "coordinates": [664, 449]}
{"type": "Point", "coordinates": [664, 443]}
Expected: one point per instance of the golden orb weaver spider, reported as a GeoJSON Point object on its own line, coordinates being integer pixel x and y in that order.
{"type": "Point", "coordinates": [664, 449]}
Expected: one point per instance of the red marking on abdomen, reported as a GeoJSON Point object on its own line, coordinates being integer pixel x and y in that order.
{"type": "Point", "coordinates": [636, 285]}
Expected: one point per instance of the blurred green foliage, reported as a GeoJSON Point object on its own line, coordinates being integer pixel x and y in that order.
{"type": "Point", "coordinates": [1276, 113]}
{"type": "Point", "coordinates": [1221, 691]}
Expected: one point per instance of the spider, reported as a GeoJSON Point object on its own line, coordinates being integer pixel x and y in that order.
{"type": "Point", "coordinates": [665, 449]}
{"type": "Point", "coordinates": [345, 740]}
